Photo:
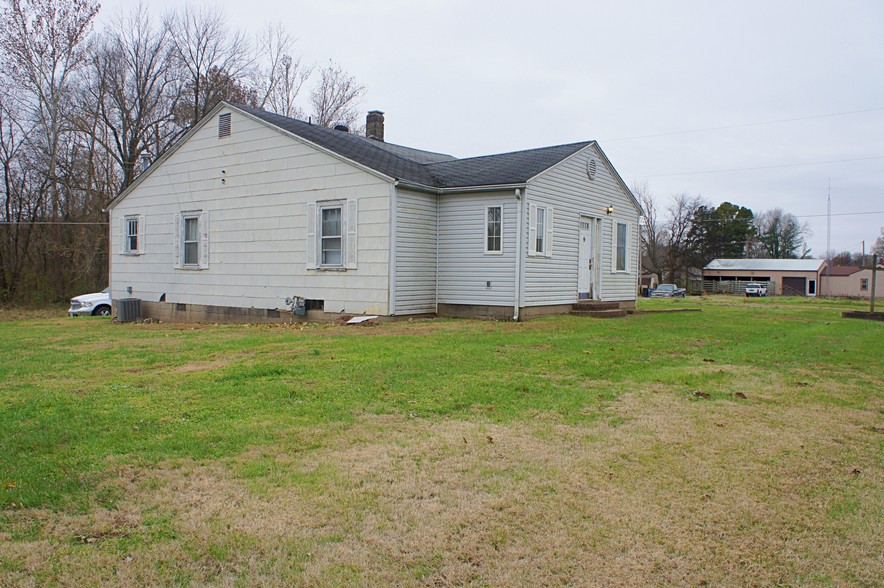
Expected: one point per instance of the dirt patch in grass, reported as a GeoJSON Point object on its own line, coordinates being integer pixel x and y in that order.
{"type": "Point", "coordinates": [204, 366]}
{"type": "Point", "coordinates": [666, 491]}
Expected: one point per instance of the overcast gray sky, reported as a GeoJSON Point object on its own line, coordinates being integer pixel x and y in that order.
{"type": "Point", "coordinates": [473, 78]}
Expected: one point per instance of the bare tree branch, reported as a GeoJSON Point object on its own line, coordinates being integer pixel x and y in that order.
{"type": "Point", "coordinates": [336, 97]}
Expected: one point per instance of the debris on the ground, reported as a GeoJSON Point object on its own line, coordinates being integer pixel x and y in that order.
{"type": "Point", "coordinates": [358, 320]}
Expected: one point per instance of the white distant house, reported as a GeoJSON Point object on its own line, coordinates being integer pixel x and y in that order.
{"type": "Point", "coordinates": [251, 208]}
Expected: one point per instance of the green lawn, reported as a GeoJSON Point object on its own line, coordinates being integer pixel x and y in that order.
{"type": "Point", "coordinates": [560, 450]}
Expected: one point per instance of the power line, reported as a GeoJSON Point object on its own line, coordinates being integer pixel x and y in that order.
{"type": "Point", "coordinates": [51, 223]}
{"type": "Point", "coordinates": [735, 169]}
{"type": "Point", "coordinates": [841, 214]}
{"type": "Point", "coordinates": [729, 220]}
{"type": "Point", "coordinates": [743, 125]}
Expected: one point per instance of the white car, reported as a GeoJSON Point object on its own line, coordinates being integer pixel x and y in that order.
{"type": "Point", "coordinates": [97, 304]}
{"type": "Point", "coordinates": [754, 289]}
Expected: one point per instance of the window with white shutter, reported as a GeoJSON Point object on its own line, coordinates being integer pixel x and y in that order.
{"type": "Point", "coordinates": [332, 234]}
{"type": "Point", "coordinates": [132, 235]}
{"type": "Point", "coordinates": [540, 231]}
{"type": "Point", "coordinates": [191, 249]}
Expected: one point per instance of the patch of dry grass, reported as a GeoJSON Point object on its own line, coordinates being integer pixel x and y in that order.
{"type": "Point", "coordinates": [666, 490]}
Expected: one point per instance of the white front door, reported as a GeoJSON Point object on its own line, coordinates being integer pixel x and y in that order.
{"type": "Point", "coordinates": [585, 269]}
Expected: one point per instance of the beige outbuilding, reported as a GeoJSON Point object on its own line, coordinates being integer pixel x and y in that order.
{"type": "Point", "coordinates": [852, 281]}
{"type": "Point", "coordinates": [787, 277]}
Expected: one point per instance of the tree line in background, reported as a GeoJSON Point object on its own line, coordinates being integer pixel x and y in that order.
{"type": "Point", "coordinates": [695, 232]}
{"type": "Point", "coordinates": [80, 108]}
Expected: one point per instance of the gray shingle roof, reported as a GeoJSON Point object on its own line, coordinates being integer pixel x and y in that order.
{"type": "Point", "coordinates": [767, 265]}
{"type": "Point", "coordinates": [430, 169]}
{"type": "Point", "coordinates": [505, 168]}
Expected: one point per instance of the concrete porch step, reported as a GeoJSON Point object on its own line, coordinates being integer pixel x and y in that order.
{"type": "Point", "coordinates": [610, 313]}
{"type": "Point", "coordinates": [595, 305]}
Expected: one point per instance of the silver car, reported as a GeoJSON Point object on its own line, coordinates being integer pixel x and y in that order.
{"type": "Point", "coordinates": [97, 304]}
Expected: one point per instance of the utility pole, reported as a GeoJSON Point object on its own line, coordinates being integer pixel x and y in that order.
{"type": "Point", "coordinates": [874, 281]}
{"type": "Point", "coordinates": [829, 239]}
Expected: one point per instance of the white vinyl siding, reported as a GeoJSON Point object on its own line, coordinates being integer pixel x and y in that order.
{"type": "Point", "coordinates": [465, 272]}
{"type": "Point", "coordinates": [571, 193]}
{"type": "Point", "coordinates": [415, 253]}
{"type": "Point", "coordinates": [259, 242]}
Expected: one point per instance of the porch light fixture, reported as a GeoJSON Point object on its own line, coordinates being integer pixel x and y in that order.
{"type": "Point", "coordinates": [610, 209]}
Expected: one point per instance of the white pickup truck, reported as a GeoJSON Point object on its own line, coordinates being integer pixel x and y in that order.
{"type": "Point", "coordinates": [754, 289]}
{"type": "Point", "coordinates": [97, 304]}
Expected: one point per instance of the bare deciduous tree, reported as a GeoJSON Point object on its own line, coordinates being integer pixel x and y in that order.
{"type": "Point", "coordinates": [209, 56]}
{"type": "Point", "coordinates": [652, 234]}
{"type": "Point", "coordinates": [335, 99]}
{"type": "Point", "coordinates": [133, 90]}
{"type": "Point", "coordinates": [678, 228]}
{"type": "Point", "coordinates": [281, 75]}
{"type": "Point", "coordinates": [43, 48]}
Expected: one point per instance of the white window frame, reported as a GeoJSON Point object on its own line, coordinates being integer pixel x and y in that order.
{"type": "Point", "coordinates": [615, 227]}
{"type": "Point", "coordinates": [185, 219]}
{"type": "Point", "coordinates": [863, 284]}
{"type": "Point", "coordinates": [202, 240]}
{"type": "Point", "coordinates": [546, 240]}
{"type": "Point", "coordinates": [488, 236]}
{"type": "Point", "coordinates": [341, 236]}
{"type": "Point", "coordinates": [127, 248]}
{"type": "Point", "coordinates": [349, 237]}
{"type": "Point", "coordinates": [540, 231]}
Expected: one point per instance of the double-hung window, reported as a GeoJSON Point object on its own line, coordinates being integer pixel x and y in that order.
{"type": "Point", "coordinates": [621, 247]}
{"type": "Point", "coordinates": [540, 230]}
{"type": "Point", "coordinates": [864, 284]}
{"type": "Point", "coordinates": [192, 241]}
{"type": "Point", "coordinates": [494, 229]}
{"type": "Point", "coordinates": [540, 238]}
{"type": "Point", "coordinates": [331, 236]}
{"type": "Point", "coordinates": [132, 240]}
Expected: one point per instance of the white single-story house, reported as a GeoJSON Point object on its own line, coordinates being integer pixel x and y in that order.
{"type": "Point", "coordinates": [251, 208]}
{"type": "Point", "coordinates": [789, 277]}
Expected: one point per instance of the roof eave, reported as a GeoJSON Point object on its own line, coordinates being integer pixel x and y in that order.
{"type": "Point", "coordinates": [459, 189]}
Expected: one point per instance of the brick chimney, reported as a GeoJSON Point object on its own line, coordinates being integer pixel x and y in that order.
{"type": "Point", "coordinates": [374, 125]}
